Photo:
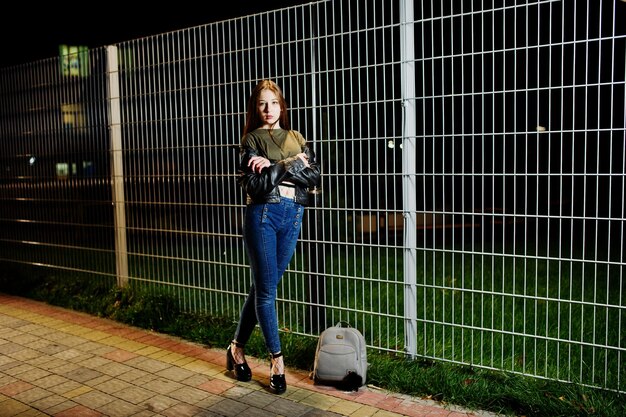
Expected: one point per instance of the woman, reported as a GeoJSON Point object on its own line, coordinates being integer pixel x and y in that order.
{"type": "Point", "coordinates": [276, 169]}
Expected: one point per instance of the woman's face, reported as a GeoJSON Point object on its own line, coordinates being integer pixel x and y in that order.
{"type": "Point", "coordinates": [269, 109]}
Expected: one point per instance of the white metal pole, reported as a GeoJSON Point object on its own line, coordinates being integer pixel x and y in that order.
{"type": "Point", "coordinates": [117, 165]}
{"type": "Point", "coordinates": [409, 174]}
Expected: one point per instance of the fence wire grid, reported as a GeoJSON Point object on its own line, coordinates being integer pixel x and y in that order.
{"type": "Point", "coordinates": [472, 200]}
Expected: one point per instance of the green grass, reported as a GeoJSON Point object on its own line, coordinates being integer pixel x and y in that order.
{"type": "Point", "coordinates": [158, 308]}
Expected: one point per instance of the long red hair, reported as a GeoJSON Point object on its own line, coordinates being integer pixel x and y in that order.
{"type": "Point", "coordinates": [254, 118]}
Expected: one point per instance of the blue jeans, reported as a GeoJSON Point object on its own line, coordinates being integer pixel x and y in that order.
{"type": "Point", "coordinates": [270, 234]}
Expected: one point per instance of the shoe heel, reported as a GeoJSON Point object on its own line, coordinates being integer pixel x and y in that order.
{"type": "Point", "coordinates": [229, 360]}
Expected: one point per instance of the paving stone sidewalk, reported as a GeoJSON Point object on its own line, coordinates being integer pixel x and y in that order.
{"type": "Point", "coordinates": [62, 363]}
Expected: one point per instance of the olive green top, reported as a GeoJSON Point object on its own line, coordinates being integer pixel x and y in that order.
{"type": "Point", "coordinates": [275, 144]}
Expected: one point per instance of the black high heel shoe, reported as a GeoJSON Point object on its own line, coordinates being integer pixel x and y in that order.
{"type": "Point", "coordinates": [278, 384]}
{"type": "Point", "coordinates": [242, 370]}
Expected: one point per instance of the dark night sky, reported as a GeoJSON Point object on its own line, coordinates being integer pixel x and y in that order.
{"type": "Point", "coordinates": [30, 32]}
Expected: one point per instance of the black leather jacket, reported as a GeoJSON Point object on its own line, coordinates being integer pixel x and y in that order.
{"type": "Point", "coordinates": [263, 187]}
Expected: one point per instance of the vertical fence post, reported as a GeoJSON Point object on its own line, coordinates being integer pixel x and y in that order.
{"type": "Point", "coordinates": [409, 174]}
{"type": "Point", "coordinates": [316, 251]}
{"type": "Point", "coordinates": [117, 165]}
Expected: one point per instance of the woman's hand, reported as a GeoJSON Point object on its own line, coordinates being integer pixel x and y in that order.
{"type": "Point", "coordinates": [304, 158]}
{"type": "Point", "coordinates": [257, 163]}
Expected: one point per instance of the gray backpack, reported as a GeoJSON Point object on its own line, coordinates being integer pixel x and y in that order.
{"type": "Point", "coordinates": [341, 358]}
